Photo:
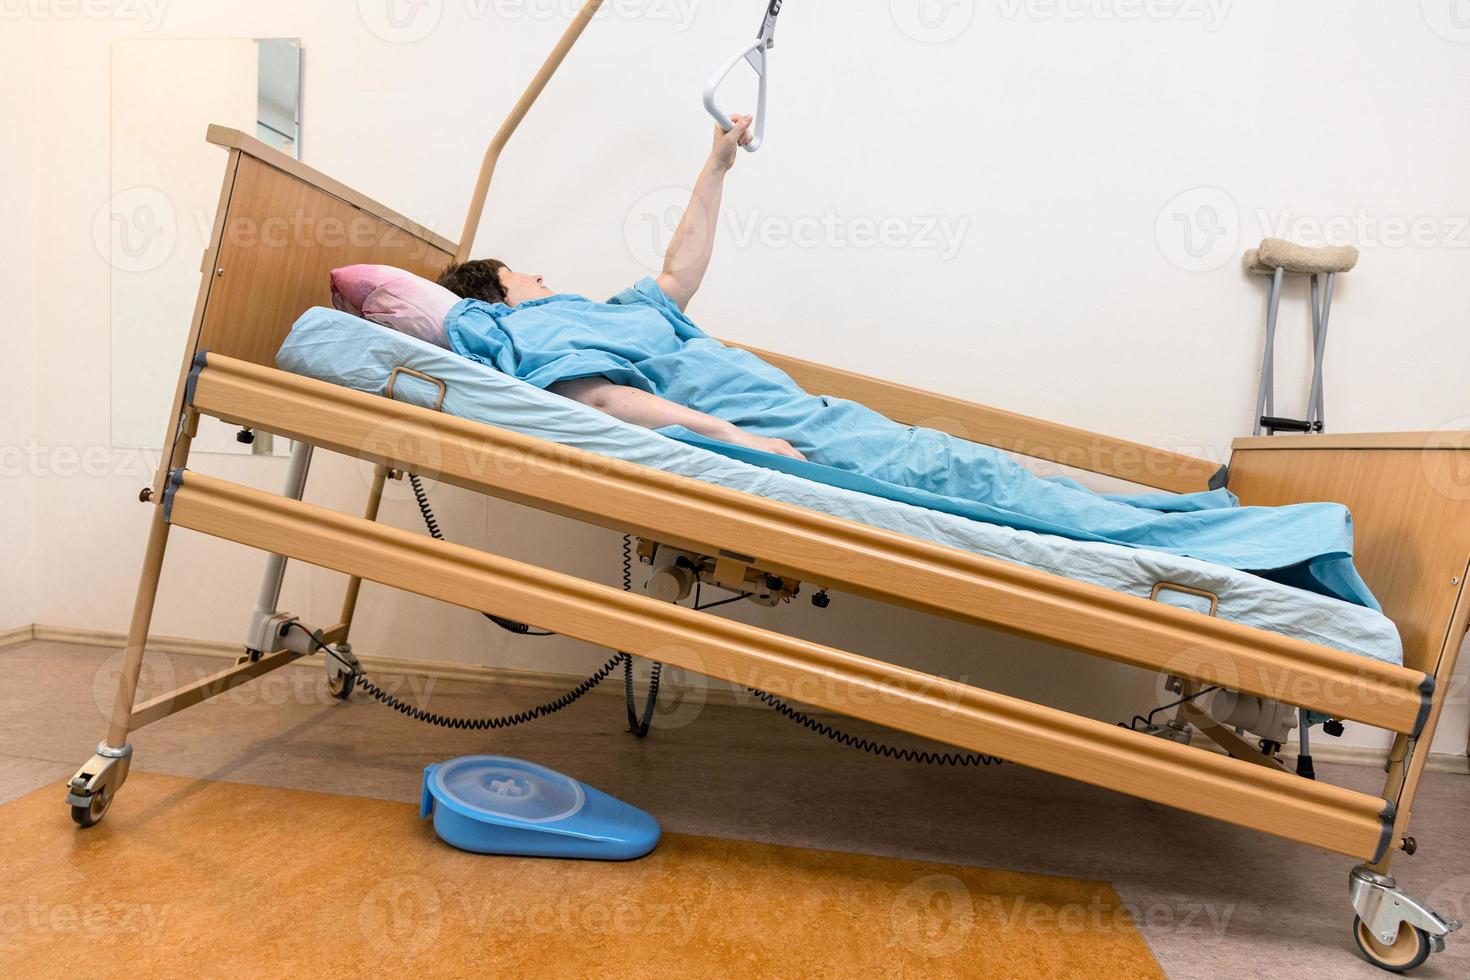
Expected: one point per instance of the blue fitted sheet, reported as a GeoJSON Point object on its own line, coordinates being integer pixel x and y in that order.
{"type": "Point", "coordinates": [343, 349]}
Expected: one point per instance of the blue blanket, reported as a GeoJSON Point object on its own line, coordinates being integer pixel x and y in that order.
{"type": "Point", "coordinates": [641, 339]}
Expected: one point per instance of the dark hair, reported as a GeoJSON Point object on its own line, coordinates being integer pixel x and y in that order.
{"type": "Point", "coordinates": [479, 279]}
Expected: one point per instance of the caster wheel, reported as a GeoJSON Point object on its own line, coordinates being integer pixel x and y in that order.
{"type": "Point", "coordinates": [1409, 950]}
{"type": "Point", "coordinates": [342, 686]}
{"type": "Point", "coordinates": [92, 814]}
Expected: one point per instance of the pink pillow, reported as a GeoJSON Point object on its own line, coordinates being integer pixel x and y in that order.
{"type": "Point", "coordinates": [394, 298]}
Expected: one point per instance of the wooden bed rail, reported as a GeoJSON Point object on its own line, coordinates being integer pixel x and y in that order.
{"type": "Point", "coordinates": [947, 711]}
{"type": "Point", "coordinates": [810, 546]}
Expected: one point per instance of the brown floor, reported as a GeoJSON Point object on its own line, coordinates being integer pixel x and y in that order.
{"type": "Point", "coordinates": [1211, 900]}
{"type": "Point", "coordinates": [710, 907]}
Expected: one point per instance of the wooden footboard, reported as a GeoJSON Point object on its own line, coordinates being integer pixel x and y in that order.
{"type": "Point", "coordinates": [1409, 494]}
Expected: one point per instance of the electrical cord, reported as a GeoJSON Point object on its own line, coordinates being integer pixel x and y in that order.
{"type": "Point", "coordinates": [432, 523]}
{"type": "Point", "coordinates": [640, 723]}
{"type": "Point", "coordinates": [464, 724]}
{"type": "Point", "coordinates": [1149, 720]}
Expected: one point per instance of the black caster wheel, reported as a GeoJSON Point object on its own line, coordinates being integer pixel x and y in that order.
{"type": "Point", "coordinates": [1408, 951]}
{"type": "Point", "coordinates": [342, 686]}
{"type": "Point", "coordinates": [91, 814]}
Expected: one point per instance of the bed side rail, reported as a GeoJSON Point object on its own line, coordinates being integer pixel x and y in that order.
{"type": "Point", "coordinates": [810, 546]}
{"type": "Point", "coordinates": [1094, 752]}
{"type": "Point", "coordinates": [1036, 438]}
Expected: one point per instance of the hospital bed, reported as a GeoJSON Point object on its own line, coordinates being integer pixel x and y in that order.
{"type": "Point", "coordinates": [1200, 624]}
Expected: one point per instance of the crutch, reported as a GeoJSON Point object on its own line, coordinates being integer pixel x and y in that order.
{"type": "Point", "coordinates": [1278, 258]}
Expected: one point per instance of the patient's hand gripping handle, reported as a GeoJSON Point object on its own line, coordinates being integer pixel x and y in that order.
{"type": "Point", "coordinates": [758, 56]}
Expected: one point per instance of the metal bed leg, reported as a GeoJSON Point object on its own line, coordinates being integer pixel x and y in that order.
{"type": "Point", "coordinates": [340, 679]}
{"type": "Point", "coordinates": [91, 790]}
{"type": "Point", "coordinates": [370, 513]}
{"type": "Point", "coordinates": [263, 635]}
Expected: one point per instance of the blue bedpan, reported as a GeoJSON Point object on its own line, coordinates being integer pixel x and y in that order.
{"type": "Point", "coordinates": [493, 805]}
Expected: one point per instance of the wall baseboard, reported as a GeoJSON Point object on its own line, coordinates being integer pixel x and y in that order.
{"type": "Point", "coordinates": [549, 681]}
{"type": "Point", "coordinates": [439, 670]}
{"type": "Point", "coordinates": [20, 634]}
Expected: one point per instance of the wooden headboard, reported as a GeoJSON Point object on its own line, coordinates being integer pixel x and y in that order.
{"type": "Point", "coordinates": [281, 228]}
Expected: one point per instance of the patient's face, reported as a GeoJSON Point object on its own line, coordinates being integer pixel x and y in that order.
{"type": "Point", "coordinates": [522, 286]}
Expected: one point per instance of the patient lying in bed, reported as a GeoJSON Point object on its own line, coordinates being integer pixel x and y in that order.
{"type": "Point", "coordinates": [640, 358]}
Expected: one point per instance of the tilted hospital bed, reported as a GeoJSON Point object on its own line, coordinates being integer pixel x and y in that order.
{"type": "Point", "coordinates": [281, 228]}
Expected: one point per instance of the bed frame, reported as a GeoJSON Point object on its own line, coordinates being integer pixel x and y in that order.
{"type": "Point", "coordinates": [282, 226]}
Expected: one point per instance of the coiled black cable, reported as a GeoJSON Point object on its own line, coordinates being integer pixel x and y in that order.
{"type": "Point", "coordinates": [432, 523]}
{"type": "Point", "coordinates": [639, 723]}
{"type": "Point", "coordinates": [881, 749]}
{"type": "Point", "coordinates": [489, 724]}
{"type": "Point", "coordinates": [467, 724]}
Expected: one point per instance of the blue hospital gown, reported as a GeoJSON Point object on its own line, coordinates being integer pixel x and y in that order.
{"type": "Point", "coordinates": [641, 339]}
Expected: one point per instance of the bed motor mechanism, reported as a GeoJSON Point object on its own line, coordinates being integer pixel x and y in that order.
{"type": "Point", "coordinates": [675, 573]}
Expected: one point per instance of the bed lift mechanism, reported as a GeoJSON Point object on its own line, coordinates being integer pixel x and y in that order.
{"type": "Point", "coordinates": [674, 573]}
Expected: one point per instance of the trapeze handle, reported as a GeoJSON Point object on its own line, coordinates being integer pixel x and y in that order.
{"type": "Point", "coordinates": [756, 55]}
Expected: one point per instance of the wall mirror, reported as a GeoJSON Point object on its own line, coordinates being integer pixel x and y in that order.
{"type": "Point", "coordinates": [155, 226]}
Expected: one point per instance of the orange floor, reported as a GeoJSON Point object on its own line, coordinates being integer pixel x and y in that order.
{"type": "Point", "coordinates": [220, 878]}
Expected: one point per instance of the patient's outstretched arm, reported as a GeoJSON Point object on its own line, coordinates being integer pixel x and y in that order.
{"type": "Point", "coordinates": [694, 240]}
{"type": "Point", "coordinates": [638, 407]}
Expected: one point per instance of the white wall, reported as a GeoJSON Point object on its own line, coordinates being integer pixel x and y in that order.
{"type": "Point", "coordinates": [19, 462]}
{"type": "Point", "coordinates": [1072, 152]}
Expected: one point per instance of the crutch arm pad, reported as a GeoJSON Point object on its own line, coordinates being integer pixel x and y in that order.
{"type": "Point", "coordinates": [1277, 253]}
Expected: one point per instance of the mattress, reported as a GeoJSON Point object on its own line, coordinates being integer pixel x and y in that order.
{"type": "Point", "coordinates": [342, 349]}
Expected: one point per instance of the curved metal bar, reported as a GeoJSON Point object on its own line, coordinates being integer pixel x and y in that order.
{"type": "Point", "coordinates": [512, 122]}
